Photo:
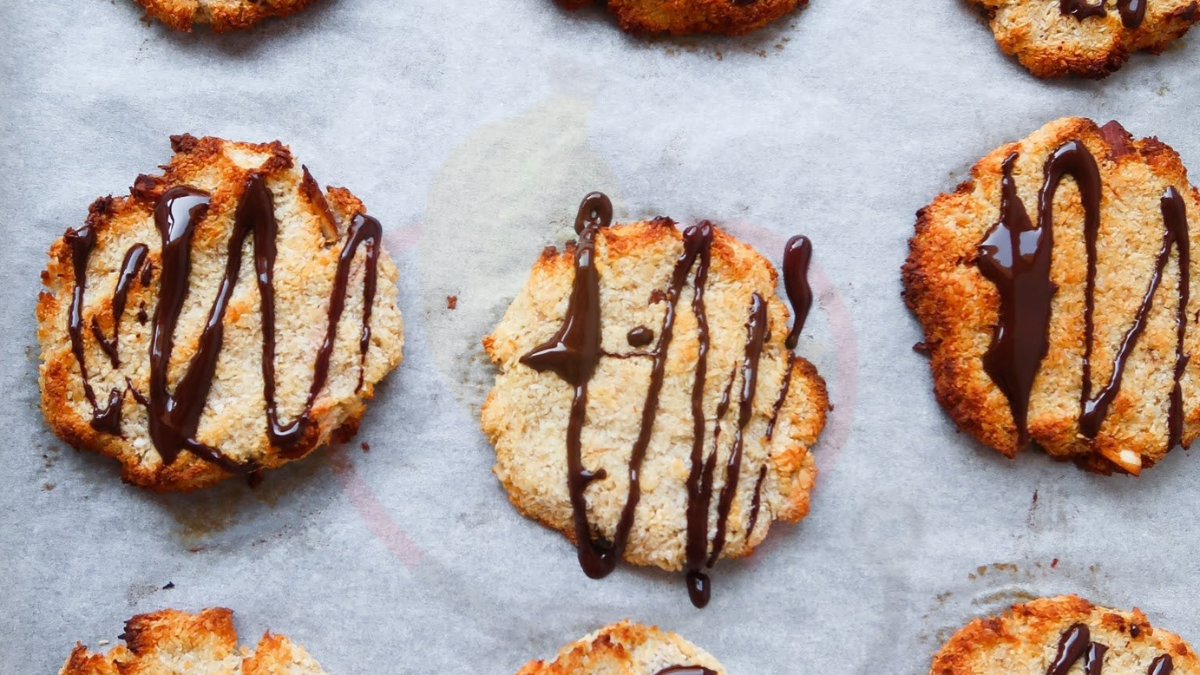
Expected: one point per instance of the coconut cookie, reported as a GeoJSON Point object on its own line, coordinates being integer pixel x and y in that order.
{"type": "Point", "coordinates": [682, 17]}
{"type": "Point", "coordinates": [226, 317]}
{"type": "Point", "coordinates": [648, 404]}
{"type": "Point", "coordinates": [1088, 38]}
{"type": "Point", "coordinates": [1057, 636]}
{"type": "Point", "coordinates": [629, 649]}
{"type": "Point", "coordinates": [1057, 291]}
{"type": "Point", "coordinates": [220, 15]}
{"type": "Point", "coordinates": [171, 642]}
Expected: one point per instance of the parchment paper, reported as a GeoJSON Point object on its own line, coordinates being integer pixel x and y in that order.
{"type": "Point", "coordinates": [472, 129]}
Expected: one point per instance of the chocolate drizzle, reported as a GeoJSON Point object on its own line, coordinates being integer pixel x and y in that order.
{"type": "Point", "coordinates": [1076, 644]}
{"type": "Point", "coordinates": [694, 670]}
{"type": "Point", "coordinates": [1016, 257]}
{"type": "Point", "coordinates": [174, 416]}
{"type": "Point", "coordinates": [640, 336]}
{"type": "Point", "coordinates": [134, 258]}
{"type": "Point", "coordinates": [1162, 665]}
{"type": "Point", "coordinates": [1133, 12]}
{"type": "Point", "coordinates": [1072, 646]}
{"type": "Point", "coordinates": [797, 256]}
{"type": "Point", "coordinates": [81, 241]}
{"type": "Point", "coordinates": [573, 354]}
{"type": "Point", "coordinates": [756, 332]}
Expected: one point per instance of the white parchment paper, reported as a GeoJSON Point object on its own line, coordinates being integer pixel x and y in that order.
{"type": "Point", "coordinates": [472, 129]}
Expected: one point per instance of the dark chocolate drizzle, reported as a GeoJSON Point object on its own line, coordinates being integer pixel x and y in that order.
{"type": "Point", "coordinates": [573, 354]}
{"type": "Point", "coordinates": [797, 256]}
{"type": "Point", "coordinates": [640, 336]}
{"type": "Point", "coordinates": [756, 333]}
{"type": "Point", "coordinates": [1133, 12]}
{"type": "Point", "coordinates": [81, 242]}
{"type": "Point", "coordinates": [693, 670]}
{"type": "Point", "coordinates": [1162, 665]}
{"type": "Point", "coordinates": [1076, 644]}
{"type": "Point", "coordinates": [1072, 646]}
{"type": "Point", "coordinates": [1016, 257]}
{"type": "Point", "coordinates": [174, 416]}
{"type": "Point", "coordinates": [134, 258]}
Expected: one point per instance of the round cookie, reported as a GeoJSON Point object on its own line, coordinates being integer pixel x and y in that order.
{"type": "Point", "coordinates": [683, 17]}
{"type": "Point", "coordinates": [1088, 38]}
{"type": "Point", "coordinates": [171, 642]}
{"type": "Point", "coordinates": [1067, 634]}
{"type": "Point", "coordinates": [161, 346]}
{"type": "Point", "coordinates": [1084, 345]}
{"type": "Point", "coordinates": [630, 649]}
{"type": "Point", "coordinates": [220, 15]}
{"type": "Point", "coordinates": [643, 420]}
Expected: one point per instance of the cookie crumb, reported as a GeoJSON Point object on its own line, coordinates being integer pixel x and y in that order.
{"type": "Point", "coordinates": [366, 447]}
{"type": "Point", "coordinates": [451, 301]}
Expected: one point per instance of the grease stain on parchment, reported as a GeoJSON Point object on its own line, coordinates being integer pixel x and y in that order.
{"type": "Point", "coordinates": [510, 189]}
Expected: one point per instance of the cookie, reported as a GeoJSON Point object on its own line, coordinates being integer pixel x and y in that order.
{"type": "Point", "coordinates": [171, 642]}
{"type": "Point", "coordinates": [648, 404]}
{"type": "Point", "coordinates": [220, 15]}
{"type": "Point", "coordinates": [1084, 345]}
{"type": "Point", "coordinates": [163, 348]}
{"type": "Point", "coordinates": [684, 17]}
{"type": "Point", "coordinates": [1088, 38]}
{"type": "Point", "coordinates": [629, 649]}
{"type": "Point", "coordinates": [1057, 636]}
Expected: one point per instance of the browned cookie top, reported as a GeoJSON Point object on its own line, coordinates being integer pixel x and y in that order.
{"type": "Point", "coordinates": [1089, 38]}
{"type": "Point", "coordinates": [628, 648]}
{"type": "Point", "coordinates": [682, 17]}
{"type": "Point", "coordinates": [647, 403]}
{"type": "Point", "coordinates": [171, 642]}
{"type": "Point", "coordinates": [227, 316]}
{"type": "Point", "coordinates": [1057, 636]}
{"type": "Point", "coordinates": [1058, 293]}
{"type": "Point", "coordinates": [221, 15]}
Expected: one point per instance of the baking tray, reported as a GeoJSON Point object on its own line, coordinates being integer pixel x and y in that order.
{"type": "Point", "coordinates": [472, 130]}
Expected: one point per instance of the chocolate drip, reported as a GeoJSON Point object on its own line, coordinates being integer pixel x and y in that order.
{"type": "Point", "coordinates": [174, 416]}
{"type": "Point", "coordinates": [1016, 258]}
{"type": "Point", "coordinates": [1071, 647]}
{"type": "Point", "coordinates": [134, 258]}
{"type": "Point", "coordinates": [1175, 218]}
{"type": "Point", "coordinates": [699, 589]}
{"type": "Point", "coordinates": [1133, 12]}
{"type": "Point", "coordinates": [697, 247]}
{"type": "Point", "coordinates": [640, 336]}
{"type": "Point", "coordinates": [1093, 661]}
{"type": "Point", "coordinates": [797, 255]}
{"type": "Point", "coordinates": [1176, 236]}
{"type": "Point", "coordinates": [1162, 665]}
{"type": "Point", "coordinates": [756, 332]}
{"type": "Point", "coordinates": [691, 670]}
{"type": "Point", "coordinates": [572, 354]}
{"type": "Point", "coordinates": [82, 241]}
{"type": "Point", "coordinates": [256, 214]}
{"type": "Point", "coordinates": [757, 502]}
